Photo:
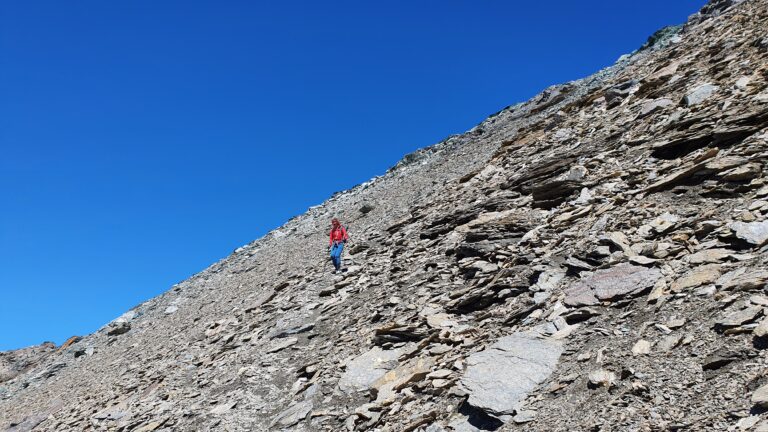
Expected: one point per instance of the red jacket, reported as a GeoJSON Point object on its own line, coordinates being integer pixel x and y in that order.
{"type": "Point", "coordinates": [338, 235]}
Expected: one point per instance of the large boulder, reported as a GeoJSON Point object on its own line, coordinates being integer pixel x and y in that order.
{"type": "Point", "coordinates": [499, 378]}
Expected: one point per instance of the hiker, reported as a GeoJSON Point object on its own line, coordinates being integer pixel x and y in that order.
{"type": "Point", "coordinates": [338, 239]}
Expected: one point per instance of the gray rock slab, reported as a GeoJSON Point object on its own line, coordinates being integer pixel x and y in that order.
{"type": "Point", "coordinates": [650, 107]}
{"type": "Point", "coordinates": [743, 279]}
{"type": "Point", "coordinates": [366, 369]}
{"type": "Point", "coordinates": [610, 284]}
{"type": "Point", "coordinates": [293, 415]}
{"type": "Point", "coordinates": [737, 318]}
{"type": "Point", "coordinates": [699, 94]}
{"type": "Point", "coordinates": [760, 397]}
{"type": "Point", "coordinates": [499, 378]}
{"type": "Point", "coordinates": [580, 294]}
{"type": "Point", "coordinates": [281, 344]}
{"type": "Point", "coordinates": [755, 233]}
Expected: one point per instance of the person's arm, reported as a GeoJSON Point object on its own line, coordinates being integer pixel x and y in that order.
{"type": "Point", "coordinates": [330, 238]}
{"type": "Point", "coordinates": [344, 235]}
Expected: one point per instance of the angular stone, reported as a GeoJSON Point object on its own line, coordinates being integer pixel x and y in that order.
{"type": "Point", "coordinates": [366, 369]}
{"type": "Point", "coordinates": [747, 423]}
{"type": "Point", "coordinates": [652, 106]}
{"type": "Point", "coordinates": [641, 347]}
{"type": "Point", "coordinates": [642, 260]}
{"type": "Point", "coordinates": [485, 266]}
{"type": "Point", "coordinates": [386, 387]}
{"type": "Point", "coordinates": [117, 328]}
{"type": "Point", "coordinates": [620, 240]}
{"type": "Point", "coordinates": [762, 328]}
{"type": "Point", "coordinates": [759, 300]}
{"type": "Point", "coordinates": [440, 373]}
{"type": "Point", "coordinates": [610, 284]}
{"type": "Point", "coordinates": [698, 276]}
{"type": "Point", "coordinates": [676, 177]}
{"type": "Point", "coordinates": [499, 378]}
{"type": "Point", "coordinates": [742, 83]}
{"type": "Point", "coordinates": [441, 320]}
{"type": "Point", "coordinates": [743, 279]}
{"type": "Point", "coordinates": [709, 256]}
{"type": "Point", "coordinates": [223, 408]}
{"type": "Point", "coordinates": [699, 94]}
{"type": "Point", "coordinates": [738, 318]}
{"type": "Point", "coordinates": [293, 415]}
{"type": "Point", "coordinates": [725, 163]}
{"type": "Point", "coordinates": [658, 290]}
{"type": "Point", "coordinates": [755, 233]}
{"type": "Point", "coordinates": [743, 173]}
{"type": "Point", "coordinates": [614, 95]}
{"type": "Point", "coordinates": [281, 344]}
{"type": "Point", "coordinates": [580, 294]}
{"type": "Point", "coordinates": [668, 343]}
{"type": "Point", "coordinates": [325, 292]}
{"type": "Point", "coordinates": [664, 223]}
{"type": "Point", "coordinates": [760, 397]}
{"type": "Point", "coordinates": [577, 264]}
{"type": "Point", "coordinates": [723, 357]}
{"type": "Point", "coordinates": [524, 416]}
{"type": "Point", "coordinates": [676, 323]}
{"type": "Point", "coordinates": [601, 378]}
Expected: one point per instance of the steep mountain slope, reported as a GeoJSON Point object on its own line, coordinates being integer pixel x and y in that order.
{"type": "Point", "coordinates": [593, 259]}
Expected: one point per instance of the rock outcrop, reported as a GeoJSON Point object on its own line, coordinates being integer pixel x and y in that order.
{"type": "Point", "coordinates": [592, 259]}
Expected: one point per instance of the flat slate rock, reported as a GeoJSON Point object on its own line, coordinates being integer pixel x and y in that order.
{"type": "Point", "coordinates": [699, 94]}
{"type": "Point", "coordinates": [755, 233]}
{"type": "Point", "coordinates": [739, 317]}
{"type": "Point", "coordinates": [28, 424]}
{"type": "Point", "coordinates": [611, 284]}
{"type": "Point", "coordinates": [293, 415]}
{"type": "Point", "coordinates": [743, 279]}
{"type": "Point", "coordinates": [366, 369]}
{"type": "Point", "coordinates": [499, 378]}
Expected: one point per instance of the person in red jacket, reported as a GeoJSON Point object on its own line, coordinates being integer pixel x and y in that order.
{"type": "Point", "coordinates": [338, 239]}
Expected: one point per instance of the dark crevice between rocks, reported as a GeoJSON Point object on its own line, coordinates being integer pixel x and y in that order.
{"type": "Point", "coordinates": [760, 343]}
{"type": "Point", "coordinates": [724, 136]}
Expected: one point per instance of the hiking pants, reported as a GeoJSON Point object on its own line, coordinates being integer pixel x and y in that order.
{"type": "Point", "coordinates": [336, 254]}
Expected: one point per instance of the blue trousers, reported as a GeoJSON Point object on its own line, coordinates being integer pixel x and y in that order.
{"type": "Point", "coordinates": [336, 254]}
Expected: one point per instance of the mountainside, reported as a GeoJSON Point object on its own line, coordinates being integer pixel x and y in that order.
{"type": "Point", "coordinates": [591, 260]}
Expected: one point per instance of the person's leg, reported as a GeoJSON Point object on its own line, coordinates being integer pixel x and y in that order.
{"type": "Point", "coordinates": [338, 254]}
{"type": "Point", "coordinates": [335, 256]}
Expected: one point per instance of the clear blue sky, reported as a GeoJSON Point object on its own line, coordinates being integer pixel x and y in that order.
{"type": "Point", "coordinates": [141, 141]}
